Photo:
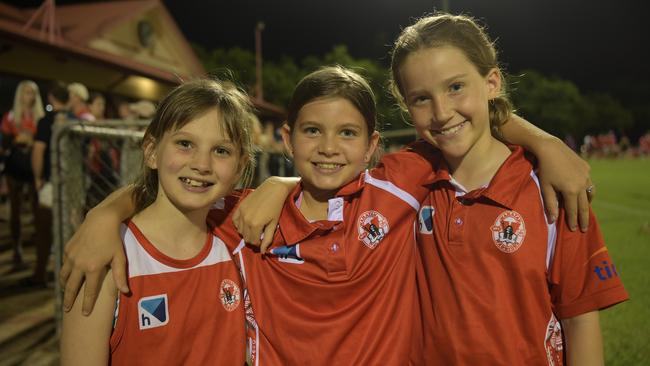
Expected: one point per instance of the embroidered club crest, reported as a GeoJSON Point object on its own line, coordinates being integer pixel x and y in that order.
{"type": "Point", "coordinates": [509, 231]}
{"type": "Point", "coordinates": [372, 227]}
{"type": "Point", "coordinates": [553, 342]}
{"type": "Point", "coordinates": [229, 294]}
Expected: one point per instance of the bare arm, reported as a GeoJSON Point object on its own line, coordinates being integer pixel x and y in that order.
{"type": "Point", "coordinates": [253, 222]}
{"type": "Point", "coordinates": [561, 170]}
{"type": "Point", "coordinates": [94, 246]}
{"type": "Point", "coordinates": [38, 153]}
{"type": "Point", "coordinates": [584, 343]}
{"type": "Point", "coordinates": [85, 339]}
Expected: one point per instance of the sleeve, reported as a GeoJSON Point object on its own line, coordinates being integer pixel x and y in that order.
{"type": "Point", "coordinates": [582, 275]}
{"type": "Point", "coordinates": [43, 131]}
{"type": "Point", "coordinates": [410, 169]}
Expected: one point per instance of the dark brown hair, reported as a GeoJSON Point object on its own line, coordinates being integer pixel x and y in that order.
{"type": "Point", "coordinates": [457, 31]}
{"type": "Point", "coordinates": [335, 81]}
{"type": "Point", "coordinates": [190, 101]}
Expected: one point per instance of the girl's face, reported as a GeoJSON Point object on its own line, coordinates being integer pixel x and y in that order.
{"type": "Point", "coordinates": [329, 144]}
{"type": "Point", "coordinates": [197, 164]}
{"type": "Point", "coordinates": [447, 99]}
{"type": "Point", "coordinates": [28, 96]}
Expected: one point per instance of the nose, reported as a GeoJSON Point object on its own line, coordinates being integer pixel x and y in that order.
{"type": "Point", "coordinates": [441, 111]}
{"type": "Point", "coordinates": [328, 145]}
{"type": "Point", "coordinates": [201, 162]}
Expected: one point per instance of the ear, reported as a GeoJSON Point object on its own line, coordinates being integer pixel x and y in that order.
{"type": "Point", "coordinates": [373, 142]}
{"type": "Point", "coordinates": [493, 83]}
{"type": "Point", "coordinates": [149, 150]}
{"type": "Point", "coordinates": [285, 131]}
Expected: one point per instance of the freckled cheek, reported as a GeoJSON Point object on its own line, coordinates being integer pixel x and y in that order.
{"type": "Point", "coordinates": [174, 164]}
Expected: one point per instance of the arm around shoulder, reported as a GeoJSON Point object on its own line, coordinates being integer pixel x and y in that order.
{"type": "Point", "coordinates": [95, 245]}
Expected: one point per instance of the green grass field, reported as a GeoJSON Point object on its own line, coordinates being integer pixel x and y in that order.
{"type": "Point", "coordinates": [622, 206]}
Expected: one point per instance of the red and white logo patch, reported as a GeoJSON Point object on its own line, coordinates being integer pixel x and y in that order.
{"type": "Point", "coordinates": [372, 227]}
{"type": "Point", "coordinates": [553, 342]}
{"type": "Point", "coordinates": [509, 231]}
{"type": "Point", "coordinates": [229, 294]}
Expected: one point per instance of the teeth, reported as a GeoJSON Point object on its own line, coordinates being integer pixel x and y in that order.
{"type": "Point", "coordinates": [194, 183]}
{"type": "Point", "coordinates": [451, 130]}
{"type": "Point", "coordinates": [328, 165]}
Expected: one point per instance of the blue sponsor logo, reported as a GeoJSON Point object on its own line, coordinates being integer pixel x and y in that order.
{"type": "Point", "coordinates": [288, 254]}
{"type": "Point", "coordinates": [425, 219]}
{"type": "Point", "coordinates": [153, 311]}
{"type": "Point", "coordinates": [605, 271]}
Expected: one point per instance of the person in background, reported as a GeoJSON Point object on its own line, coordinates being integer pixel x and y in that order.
{"type": "Point", "coordinates": [77, 102]}
{"type": "Point", "coordinates": [97, 105]}
{"type": "Point", "coordinates": [18, 128]}
{"type": "Point", "coordinates": [103, 158]}
{"type": "Point", "coordinates": [57, 96]}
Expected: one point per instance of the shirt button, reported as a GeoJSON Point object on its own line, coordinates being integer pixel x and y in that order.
{"type": "Point", "coordinates": [458, 221]}
{"type": "Point", "coordinates": [334, 247]}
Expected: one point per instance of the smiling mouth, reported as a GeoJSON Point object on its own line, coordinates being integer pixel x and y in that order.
{"type": "Point", "coordinates": [194, 183]}
{"type": "Point", "coordinates": [328, 166]}
{"type": "Point", "coordinates": [450, 130]}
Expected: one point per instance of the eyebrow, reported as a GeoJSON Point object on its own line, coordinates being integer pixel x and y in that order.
{"type": "Point", "coordinates": [185, 133]}
{"type": "Point", "coordinates": [320, 124]}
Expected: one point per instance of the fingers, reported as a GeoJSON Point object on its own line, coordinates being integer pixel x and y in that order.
{"type": "Point", "coordinates": [118, 267]}
{"type": "Point", "coordinates": [251, 234]}
{"type": "Point", "coordinates": [71, 288]}
{"type": "Point", "coordinates": [591, 190]}
{"type": "Point", "coordinates": [236, 219]}
{"type": "Point", "coordinates": [583, 211]}
{"type": "Point", "coordinates": [94, 282]}
{"type": "Point", "coordinates": [269, 232]}
{"type": "Point", "coordinates": [64, 273]}
{"type": "Point", "coordinates": [571, 210]}
{"type": "Point", "coordinates": [550, 203]}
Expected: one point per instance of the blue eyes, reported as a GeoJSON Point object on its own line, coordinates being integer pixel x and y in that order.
{"type": "Point", "coordinates": [222, 151]}
{"type": "Point", "coordinates": [453, 88]}
{"type": "Point", "coordinates": [311, 130]}
{"type": "Point", "coordinates": [456, 87]}
{"type": "Point", "coordinates": [184, 144]}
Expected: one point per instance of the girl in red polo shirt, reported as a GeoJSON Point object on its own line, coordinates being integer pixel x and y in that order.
{"type": "Point", "coordinates": [502, 285]}
{"type": "Point", "coordinates": [339, 283]}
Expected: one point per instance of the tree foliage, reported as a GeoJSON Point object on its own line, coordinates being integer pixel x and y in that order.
{"type": "Point", "coordinates": [554, 104]}
{"type": "Point", "coordinates": [557, 106]}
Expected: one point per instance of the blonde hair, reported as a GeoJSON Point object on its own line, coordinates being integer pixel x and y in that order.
{"type": "Point", "coordinates": [457, 31]}
{"type": "Point", "coordinates": [186, 103]}
{"type": "Point", "coordinates": [37, 108]}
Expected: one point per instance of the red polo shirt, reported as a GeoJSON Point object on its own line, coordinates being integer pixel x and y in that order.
{"type": "Point", "coordinates": [342, 291]}
{"type": "Point", "coordinates": [495, 277]}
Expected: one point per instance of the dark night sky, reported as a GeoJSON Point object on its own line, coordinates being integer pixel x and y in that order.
{"type": "Point", "coordinates": [588, 41]}
{"type": "Point", "coordinates": [592, 42]}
